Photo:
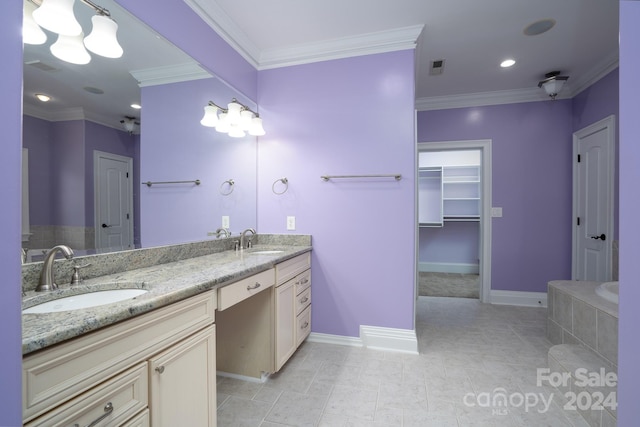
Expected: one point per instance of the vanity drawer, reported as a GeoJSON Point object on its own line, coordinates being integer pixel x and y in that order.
{"type": "Point", "coordinates": [239, 291]}
{"type": "Point", "coordinates": [303, 325]}
{"type": "Point", "coordinates": [290, 268]}
{"type": "Point", "coordinates": [58, 373]}
{"type": "Point", "coordinates": [140, 420]}
{"type": "Point", "coordinates": [303, 281]}
{"type": "Point", "coordinates": [303, 300]}
{"type": "Point", "coordinates": [112, 402]}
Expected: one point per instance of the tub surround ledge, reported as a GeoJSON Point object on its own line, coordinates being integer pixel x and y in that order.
{"type": "Point", "coordinates": [167, 280]}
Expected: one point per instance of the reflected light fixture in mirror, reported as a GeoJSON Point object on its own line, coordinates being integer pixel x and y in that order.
{"type": "Point", "coordinates": [553, 83]}
{"type": "Point", "coordinates": [236, 120]}
{"type": "Point", "coordinates": [57, 16]}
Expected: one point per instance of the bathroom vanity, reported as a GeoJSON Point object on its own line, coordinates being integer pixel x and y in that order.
{"type": "Point", "coordinates": [152, 360]}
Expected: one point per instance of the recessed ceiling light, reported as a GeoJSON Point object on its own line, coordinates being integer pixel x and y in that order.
{"type": "Point", "coordinates": [508, 63]}
{"type": "Point", "coordinates": [539, 27]}
{"type": "Point", "coordinates": [42, 97]}
{"type": "Point", "coordinates": [136, 106]}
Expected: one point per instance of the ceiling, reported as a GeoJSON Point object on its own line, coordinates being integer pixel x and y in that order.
{"type": "Point", "coordinates": [471, 36]}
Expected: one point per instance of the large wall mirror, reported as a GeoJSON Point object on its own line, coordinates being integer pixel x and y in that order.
{"type": "Point", "coordinates": [77, 149]}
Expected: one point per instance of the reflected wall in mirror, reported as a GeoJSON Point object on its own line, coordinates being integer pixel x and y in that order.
{"type": "Point", "coordinates": [83, 117]}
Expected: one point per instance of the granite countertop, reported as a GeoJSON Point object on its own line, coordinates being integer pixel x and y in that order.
{"type": "Point", "coordinates": [166, 284]}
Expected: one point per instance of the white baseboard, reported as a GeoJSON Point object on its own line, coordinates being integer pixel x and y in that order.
{"type": "Point", "coordinates": [263, 378]}
{"type": "Point", "coordinates": [448, 267]}
{"type": "Point", "coordinates": [526, 299]}
{"type": "Point", "coordinates": [375, 338]}
{"type": "Point", "coordinates": [389, 339]}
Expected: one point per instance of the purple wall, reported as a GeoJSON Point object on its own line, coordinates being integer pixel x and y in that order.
{"type": "Point", "coordinates": [531, 147]}
{"type": "Point", "coordinates": [176, 147]}
{"type": "Point", "coordinates": [61, 167]}
{"type": "Point", "coordinates": [348, 116]}
{"type": "Point", "coordinates": [455, 242]}
{"type": "Point", "coordinates": [629, 315]}
{"type": "Point", "coordinates": [10, 192]}
{"type": "Point", "coordinates": [175, 20]}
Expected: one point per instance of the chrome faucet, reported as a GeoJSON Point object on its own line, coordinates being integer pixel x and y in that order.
{"type": "Point", "coordinates": [242, 238]}
{"type": "Point", "coordinates": [224, 232]}
{"type": "Point", "coordinates": [47, 282]}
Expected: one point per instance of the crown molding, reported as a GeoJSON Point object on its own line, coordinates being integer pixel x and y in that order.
{"type": "Point", "coordinates": [603, 68]}
{"type": "Point", "coordinates": [169, 74]}
{"type": "Point", "coordinates": [215, 16]}
{"type": "Point", "coordinates": [68, 114]}
{"type": "Point", "coordinates": [346, 47]}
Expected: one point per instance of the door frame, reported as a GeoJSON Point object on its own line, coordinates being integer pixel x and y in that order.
{"type": "Point", "coordinates": [96, 192]}
{"type": "Point", "coordinates": [608, 123]}
{"type": "Point", "coordinates": [484, 145]}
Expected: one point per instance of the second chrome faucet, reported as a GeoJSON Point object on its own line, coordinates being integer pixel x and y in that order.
{"type": "Point", "coordinates": [242, 237]}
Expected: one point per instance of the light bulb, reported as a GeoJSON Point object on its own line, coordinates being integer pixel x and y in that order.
{"type": "Point", "coordinates": [70, 49]}
{"type": "Point", "coordinates": [57, 16]}
{"type": "Point", "coordinates": [256, 128]}
{"type": "Point", "coordinates": [31, 31]}
{"type": "Point", "coordinates": [102, 40]}
{"type": "Point", "coordinates": [245, 119]}
{"type": "Point", "coordinates": [236, 132]}
{"type": "Point", "coordinates": [223, 124]}
{"type": "Point", "coordinates": [233, 113]}
{"type": "Point", "coordinates": [210, 118]}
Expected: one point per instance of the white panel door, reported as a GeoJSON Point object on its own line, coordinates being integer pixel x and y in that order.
{"type": "Point", "coordinates": [593, 201]}
{"type": "Point", "coordinates": [114, 203]}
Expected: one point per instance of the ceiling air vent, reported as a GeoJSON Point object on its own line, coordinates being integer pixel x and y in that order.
{"type": "Point", "coordinates": [437, 67]}
{"type": "Point", "coordinates": [40, 65]}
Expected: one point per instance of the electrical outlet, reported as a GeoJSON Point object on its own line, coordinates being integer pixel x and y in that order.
{"type": "Point", "coordinates": [496, 212]}
{"type": "Point", "coordinates": [225, 221]}
{"type": "Point", "coordinates": [291, 223]}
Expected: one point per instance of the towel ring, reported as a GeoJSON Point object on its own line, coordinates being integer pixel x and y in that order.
{"type": "Point", "coordinates": [231, 184]}
{"type": "Point", "coordinates": [285, 181]}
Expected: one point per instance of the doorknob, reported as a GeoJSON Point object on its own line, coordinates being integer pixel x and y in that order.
{"type": "Point", "coordinates": [107, 226]}
{"type": "Point", "coordinates": [602, 237]}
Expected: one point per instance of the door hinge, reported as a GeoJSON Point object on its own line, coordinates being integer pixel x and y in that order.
{"type": "Point", "coordinates": [578, 158]}
{"type": "Point", "coordinates": [578, 223]}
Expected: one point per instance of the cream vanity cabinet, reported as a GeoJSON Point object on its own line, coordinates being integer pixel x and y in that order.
{"type": "Point", "coordinates": [264, 318]}
{"type": "Point", "coordinates": [292, 306]}
{"type": "Point", "coordinates": [157, 369]}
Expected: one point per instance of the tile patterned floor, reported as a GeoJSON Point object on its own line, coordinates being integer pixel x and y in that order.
{"type": "Point", "coordinates": [448, 285]}
{"type": "Point", "coordinates": [469, 351]}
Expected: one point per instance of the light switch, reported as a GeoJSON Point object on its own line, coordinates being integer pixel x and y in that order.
{"type": "Point", "coordinates": [496, 212]}
{"type": "Point", "coordinates": [291, 223]}
{"type": "Point", "coordinates": [225, 221]}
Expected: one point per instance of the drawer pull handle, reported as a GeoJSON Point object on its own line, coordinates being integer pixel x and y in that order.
{"type": "Point", "coordinates": [108, 409]}
{"type": "Point", "coordinates": [256, 286]}
{"type": "Point", "coordinates": [303, 300]}
{"type": "Point", "coordinates": [160, 369]}
{"type": "Point", "coordinates": [304, 325]}
{"type": "Point", "coordinates": [303, 281]}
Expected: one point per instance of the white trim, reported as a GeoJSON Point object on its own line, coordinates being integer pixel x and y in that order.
{"type": "Point", "coordinates": [608, 123]}
{"type": "Point", "coordinates": [449, 267]}
{"type": "Point", "coordinates": [389, 339]}
{"type": "Point", "coordinates": [485, 216]}
{"type": "Point", "coordinates": [346, 47]}
{"type": "Point", "coordinates": [169, 74]}
{"type": "Point", "coordinates": [263, 377]}
{"type": "Point", "coordinates": [374, 338]}
{"type": "Point", "coordinates": [525, 299]}
{"type": "Point", "coordinates": [334, 339]}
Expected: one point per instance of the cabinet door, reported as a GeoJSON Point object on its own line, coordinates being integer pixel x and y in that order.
{"type": "Point", "coordinates": [183, 383]}
{"type": "Point", "coordinates": [285, 318]}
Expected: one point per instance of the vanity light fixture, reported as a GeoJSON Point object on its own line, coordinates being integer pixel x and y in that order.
{"type": "Point", "coordinates": [57, 16]}
{"type": "Point", "coordinates": [553, 83]}
{"type": "Point", "coordinates": [236, 120]}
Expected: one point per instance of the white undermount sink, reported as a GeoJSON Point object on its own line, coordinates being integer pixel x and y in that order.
{"type": "Point", "coordinates": [90, 299]}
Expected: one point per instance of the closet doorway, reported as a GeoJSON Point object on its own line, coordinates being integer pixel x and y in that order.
{"type": "Point", "coordinates": [454, 207]}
